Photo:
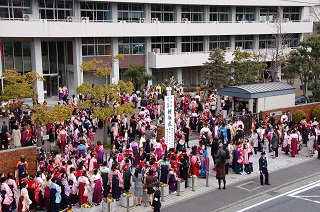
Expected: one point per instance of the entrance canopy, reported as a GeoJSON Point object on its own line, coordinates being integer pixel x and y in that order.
{"type": "Point", "coordinates": [260, 90]}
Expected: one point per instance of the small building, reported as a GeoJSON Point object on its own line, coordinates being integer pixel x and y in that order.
{"type": "Point", "coordinates": [259, 97]}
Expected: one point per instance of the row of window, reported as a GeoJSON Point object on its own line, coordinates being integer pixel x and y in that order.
{"type": "Point", "coordinates": [136, 45]}
{"type": "Point", "coordinates": [101, 11]}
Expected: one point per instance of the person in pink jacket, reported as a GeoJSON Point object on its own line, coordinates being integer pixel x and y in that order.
{"type": "Point", "coordinates": [248, 158]}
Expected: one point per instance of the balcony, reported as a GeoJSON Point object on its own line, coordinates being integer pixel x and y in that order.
{"type": "Point", "coordinates": [189, 59]}
{"type": "Point", "coordinates": [53, 29]}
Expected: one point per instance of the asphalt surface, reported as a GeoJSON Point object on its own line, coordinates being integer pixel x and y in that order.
{"type": "Point", "coordinates": [235, 195]}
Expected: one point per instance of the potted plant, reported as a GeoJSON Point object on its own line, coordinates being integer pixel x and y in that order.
{"type": "Point", "coordinates": [182, 184]}
{"type": "Point", "coordinates": [189, 184]}
{"type": "Point", "coordinates": [123, 199]}
{"type": "Point", "coordinates": [88, 207]}
{"type": "Point", "coordinates": [109, 202]}
{"type": "Point", "coordinates": [164, 188]}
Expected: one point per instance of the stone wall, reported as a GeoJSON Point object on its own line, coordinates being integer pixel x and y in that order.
{"type": "Point", "coordinates": [307, 108]}
{"type": "Point", "coordinates": [9, 159]}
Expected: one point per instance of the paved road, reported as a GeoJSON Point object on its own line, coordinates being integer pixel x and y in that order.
{"type": "Point", "coordinates": [234, 196]}
{"type": "Point", "coordinates": [305, 198]}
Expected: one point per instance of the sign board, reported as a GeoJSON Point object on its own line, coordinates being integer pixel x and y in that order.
{"type": "Point", "coordinates": [45, 137]}
{"type": "Point", "coordinates": [276, 113]}
{"type": "Point", "coordinates": [169, 121]}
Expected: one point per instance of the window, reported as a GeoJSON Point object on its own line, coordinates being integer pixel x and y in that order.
{"type": "Point", "coordinates": [163, 43]}
{"type": "Point", "coordinates": [268, 14]}
{"type": "Point", "coordinates": [130, 12]}
{"type": "Point", "coordinates": [121, 75]}
{"type": "Point", "coordinates": [194, 13]}
{"type": "Point", "coordinates": [221, 42]}
{"type": "Point", "coordinates": [192, 44]}
{"type": "Point", "coordinates": [96, 46]}
{"type": "Point", "coordinates": [163, 12]}
{"type": "Point", "coordinates": [16, 55]}
{"type": "Point", "coordinates": [13, 9]}
{"type": "Point", "coordinates": [244, 41]}
{"type": "Point", "coordinates": [98, 11]}
{"type": "Point", "coordinates": [292, 13]}
{"type": "Point", "coordinates": [55, 9]}
{"type": "Point", "coordinates": [131, 45]}
{"type": "Point", "coordinates": [218, 13]}
{"type": "Point", "coordinates": [291, 40]}
{"type": "Point", "coordinates": [245, 14]}
{"type": "Point", "coordinates": [266, 41]}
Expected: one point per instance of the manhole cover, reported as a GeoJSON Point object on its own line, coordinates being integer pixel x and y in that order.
{"type": "Point", "coordinates": [250, 186]}
{"type": "Point", "coordinates": [272, 193]}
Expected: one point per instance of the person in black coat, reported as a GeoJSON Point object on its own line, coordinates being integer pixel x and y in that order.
{"type": "Point", "coordinates": [263, 168]}
{"type": "Point", "coordinates": [273, 120]}
{"type": "Point", "coordinates": [156, 204]}
{"type": "Point", "coordinates": [214, 149]}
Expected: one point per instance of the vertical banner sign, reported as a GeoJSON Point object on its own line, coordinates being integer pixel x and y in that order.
{"type": "Point", "coordinates": [169, 121]}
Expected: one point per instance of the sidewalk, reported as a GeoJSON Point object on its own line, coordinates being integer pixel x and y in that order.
{"type": "Point", "coordinates": [282, 162]}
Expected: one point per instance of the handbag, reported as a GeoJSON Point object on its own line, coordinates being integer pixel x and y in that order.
{"type": "Point", "coordinates": [86, 192]}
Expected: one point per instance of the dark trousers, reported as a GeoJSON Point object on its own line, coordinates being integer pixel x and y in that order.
{"type": "Point", "coordinates": [227, 168]}
{"type": "Point", "coordinates": [276, 151]}
{"type": "Point", "coordinates": [255, 150]}
{"type": "Point", "coordinates": [264, 174]}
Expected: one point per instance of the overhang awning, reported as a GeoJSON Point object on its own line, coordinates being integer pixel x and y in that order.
{"type": "Point", "coordinates": [259, 90]}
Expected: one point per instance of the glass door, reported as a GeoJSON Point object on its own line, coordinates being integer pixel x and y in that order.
{"type": "Point", "coordinates": [51, 85]}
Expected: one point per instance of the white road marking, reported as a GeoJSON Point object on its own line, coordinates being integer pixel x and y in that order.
{"type": "Point", "coordinates": [293, 194]}
{"type": "Point", "coordinates": [311, 185]}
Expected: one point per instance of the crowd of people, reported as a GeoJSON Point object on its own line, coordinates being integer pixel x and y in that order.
{"type": "Point", "coordinates": [80, 170]}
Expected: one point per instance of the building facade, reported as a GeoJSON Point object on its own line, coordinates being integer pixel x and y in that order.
{"type": "Point", "coordinates": [169, 38]}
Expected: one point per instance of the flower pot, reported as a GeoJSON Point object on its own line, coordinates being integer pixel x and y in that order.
{"type": "Point", "coordinates": [105, 206]}
{"type": "Point", "coordinates": [189, 184]}
{"type": "Point", "coordinates": [93, 209]}
{"type": "Point", "coordinates": [182, 186]}
{"type": "Point", "coordinates": [123, 201]}
{"type": "Point", "coordinates": [165, 190]}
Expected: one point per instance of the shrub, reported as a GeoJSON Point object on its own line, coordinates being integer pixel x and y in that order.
{"type": "Point", "coordinates": [316, 112]}
{"type": "Point", "coordinates": [298, 116]}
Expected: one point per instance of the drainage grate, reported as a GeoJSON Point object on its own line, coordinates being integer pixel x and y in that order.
{"type": "Point", "coordinates": [249, 186]}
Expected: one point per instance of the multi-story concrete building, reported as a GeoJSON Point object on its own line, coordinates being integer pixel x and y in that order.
{"type": "Point", "coordinates": [169, 38]}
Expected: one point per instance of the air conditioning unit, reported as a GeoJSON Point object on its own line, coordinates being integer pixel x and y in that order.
{"type": "Point", "coordinates": [184, 20]}
{"type": "Point", "coordinates": [228, 49]}
{"type": "Point", "coordinates": [142, 20]}
{"type": "Point", "coordinates": [239, 48]}
{"type": "Point", "coordinates": [70, 18]}
{"type": "Point", "coordinates": [27, 17]}
{"type": "Point", "coordinates": [155, 50]}
{"type": "Point", "coordinates": [173, 50]}
{"type": "Point", "coordinates": [155, 20]}
{"type": "Point", "coordinates": [286, 20]}
{"type": "Point", "coordinates": [84, 18]}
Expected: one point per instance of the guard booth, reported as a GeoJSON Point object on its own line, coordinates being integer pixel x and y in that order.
{"type": "Point", "coordinates": [255, 98]}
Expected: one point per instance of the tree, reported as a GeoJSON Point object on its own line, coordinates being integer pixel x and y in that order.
{"type": "Point", "coordinates": [216, 70]}
{"type": "Point", "coordinates": [138, 75]}
{"type": "Point", "coordinates": [297, 65]}
{"type": "Point", "coordinates": [107, 98]}
{"type": "Point", "coordinates": [20, 86]}
{"type": "Point", "coordinates": [100, 68]}
{"type": "Point", "coordinates": [305, 62]}
{"type": "Point", "coordinates": [248, 67]}
{"type": "Point", "coordinates": [43, 114]}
